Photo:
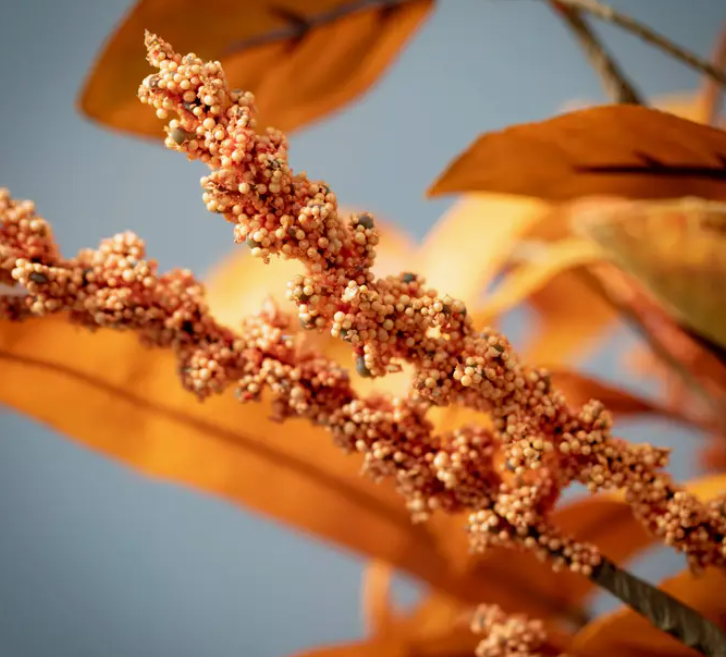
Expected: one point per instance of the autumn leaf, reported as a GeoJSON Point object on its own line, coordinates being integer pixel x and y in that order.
{"type": "Point", "coordinates": [571, 315]}
{"type": "Point", "coordinates": [676, 249]}
{"type": "Point", "coordinates": [550, 275]}
{"type": "Point", "coordinates": [580, 389]}
{"type": "Point", "coordinates": [702, 371]}
{"type": "Point", "coordinates": [301, 58]}
{"type": "Point", "coordinates": [627, 634]}
{"type": "Point", "coordinates": [482, 230]}
{"type": "Point", "coordinates": [378, 615]}
{"type": "Point", "coordinates": [488, 231]}
{"type": "Point", "coordinates": [619, 150]}
{"type": "Point", "coordinates": [437, 626]}
{"type": "Point", "coordinates": [107, 392]}
{"type": "Point", "coordinates": [544, 261]}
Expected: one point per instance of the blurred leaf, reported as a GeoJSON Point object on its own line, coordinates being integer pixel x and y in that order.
{"type": "Point", "coordinates": [627, 634]}
{"type": "Point", "coordinates": [107, 392]}
{"type": "Point", "coordinates": [677, 249]}
{"type": "Point", "coordinates": [378, 616]}
{"type": "Point", "coordinates": [706, 488]}
{"type": "Point", "coordinates": [701, 370]}
{"type": "Point", "coordinates": [239, 283]}
{"type": "Point", "coordinates": [544, 262]}
{"type": "Point", "coordinates": [467, 247]}
{"type": "Point", "coordinates": [617, 150]}
{"type": "Point", "coordinates": [436, 627]}
{"type": "Point", "coordinates": [579, 389]}
{"type": "Point", "coordinates": [686, 105]}
{"type": "Point", "coordinates": [301, 58]}
{"type": "Point", "coordinates": [572, 319]}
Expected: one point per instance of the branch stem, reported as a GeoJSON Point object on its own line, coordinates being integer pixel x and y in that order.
{"type": "Point", "coordinates": [662, 610]}
{"type": "Point", "coordinates": [607, 13]}
{"type": "Point", "coordinates": [614, 81]}
{"type": "Point", "coordinates": [712, 95]}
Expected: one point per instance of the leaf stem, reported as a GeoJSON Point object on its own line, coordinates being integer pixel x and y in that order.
{"type": "Point", "coordinates": [297, 24]}
{"type": "Point", "coordinates": [711, 94]}
{"type": "Point", "coordinates": [662, 610]}
{"type": "Point", "coordinates": [603, 285]}
{"type": "Point", "coordinates": [616, 84]}
{"type": "Point", "coordinates": [607, 13]}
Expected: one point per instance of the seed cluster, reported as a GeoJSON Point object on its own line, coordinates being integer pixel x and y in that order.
{"type": "Point", "coordinates": [508, 478]}
{"type": "Point", "coordinates": [509, 635]}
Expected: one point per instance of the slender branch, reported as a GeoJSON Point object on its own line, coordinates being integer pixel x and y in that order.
{"type": "Point", "coordinates": [662, 610]}
{"type": "Point", "coordinates": [607, 13]}
{"type": "Point", "coordinates": [298, 24]}
{"type": "Point", "coordinates": [711, 95]}
{"type": "Point", "coordinates": [614, 81]}
{"type": "Point", "coordinates": [635, 322]}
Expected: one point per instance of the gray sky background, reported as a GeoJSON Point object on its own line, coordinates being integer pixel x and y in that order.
{"type": "Point", "coordinates": [97, 561]}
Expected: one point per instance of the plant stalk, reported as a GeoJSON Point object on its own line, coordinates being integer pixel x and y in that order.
{"type": "Point", "coordinates": [607, 13]}
{"type": "Point", "coordinates": [614, 81]}
{"type": "Point", "coordinates": [662, 610]}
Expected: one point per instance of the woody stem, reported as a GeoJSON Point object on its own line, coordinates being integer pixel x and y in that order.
{"type": "Point", "coordinates": [616, 84]}
{"type": "Point", "coordinates": [662, 610]}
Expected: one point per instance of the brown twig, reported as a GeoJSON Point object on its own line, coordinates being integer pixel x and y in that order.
{"type": "Point", "coordinates": [298, 24]}
{"type": "Point", "coordinates": [607, 13]}
{"type": "Point", "coordinates": [662, 610]}
{"type": "Point", "coordinates": [614, 81]}
{"type": "Point", "coordinates": [606, 287]}
{"type": "Point", "coordinates": [711, 96]}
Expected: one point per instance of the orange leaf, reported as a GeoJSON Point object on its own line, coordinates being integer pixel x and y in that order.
{"type": "Point", "coordinates": [579, 389]}
{"type": "Point", "coordinates": [481, 229]}
{"type": "Point", "coordinates": [302, 61]}
{"type": "Point", "coordinates": [628, 634]}
{"type": "Point", "coordinates": [378, 616]}
{"type": "Point", "coordinates": [677, 249]}
{"type": "Point", "coordinates": [702, 370]}
{"type": "Point", "coordinates": [545, 262]}
{"type": "Point", "coordinates": [572, 316]}
{"type": "Point", "coordinates": [379, 647]}
{"type": "Point", "coordinates": [239, 284]}
{"type": "Point", "coordinates": [619, 150]}
{"type": "Point", "coordinates": [111, 394]}
{"type": "Point", "coordinates": [437, 627]}
{"type": "Point", "coordinates": [106, 391]}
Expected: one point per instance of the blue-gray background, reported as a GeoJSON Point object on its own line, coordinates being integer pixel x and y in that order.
{"type": "Point", "coordinates": [97, 561]}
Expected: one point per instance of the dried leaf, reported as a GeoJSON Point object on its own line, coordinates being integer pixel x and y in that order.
{"type": "Point", "coordinates": [107, 392]}
{"type": "Point", "coordinates": [481, 229]}
{"type": "Point", "coordinates": [238, 285]}
{"type": "Point", "coordinates": [379, 647]}
{"type": "Point", "coordinates": [436, 627]}
{"type": "Point", "coordinates": [579, 389]}
{"type": "Point", "coordinates": [487, 230]}
{"type": "Point", "coordinates": [627, 634]}
{"type": "Point", "coordinates": [676, 249]}
{"type": "Point", "coordinates": [572, 319]}
{"type": "Point", "coordinates": [701, 370]}
{"type": "Point", "coordinates": [378, 615]}
{"type": "Point", "coordinates": [619, 150]}
{"type": "Point", "coordinates": [112, 395]}
{"type": "Point", "coordinates": [544, 262]}
{"type": "Point", "coordinates": [302, 58]}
